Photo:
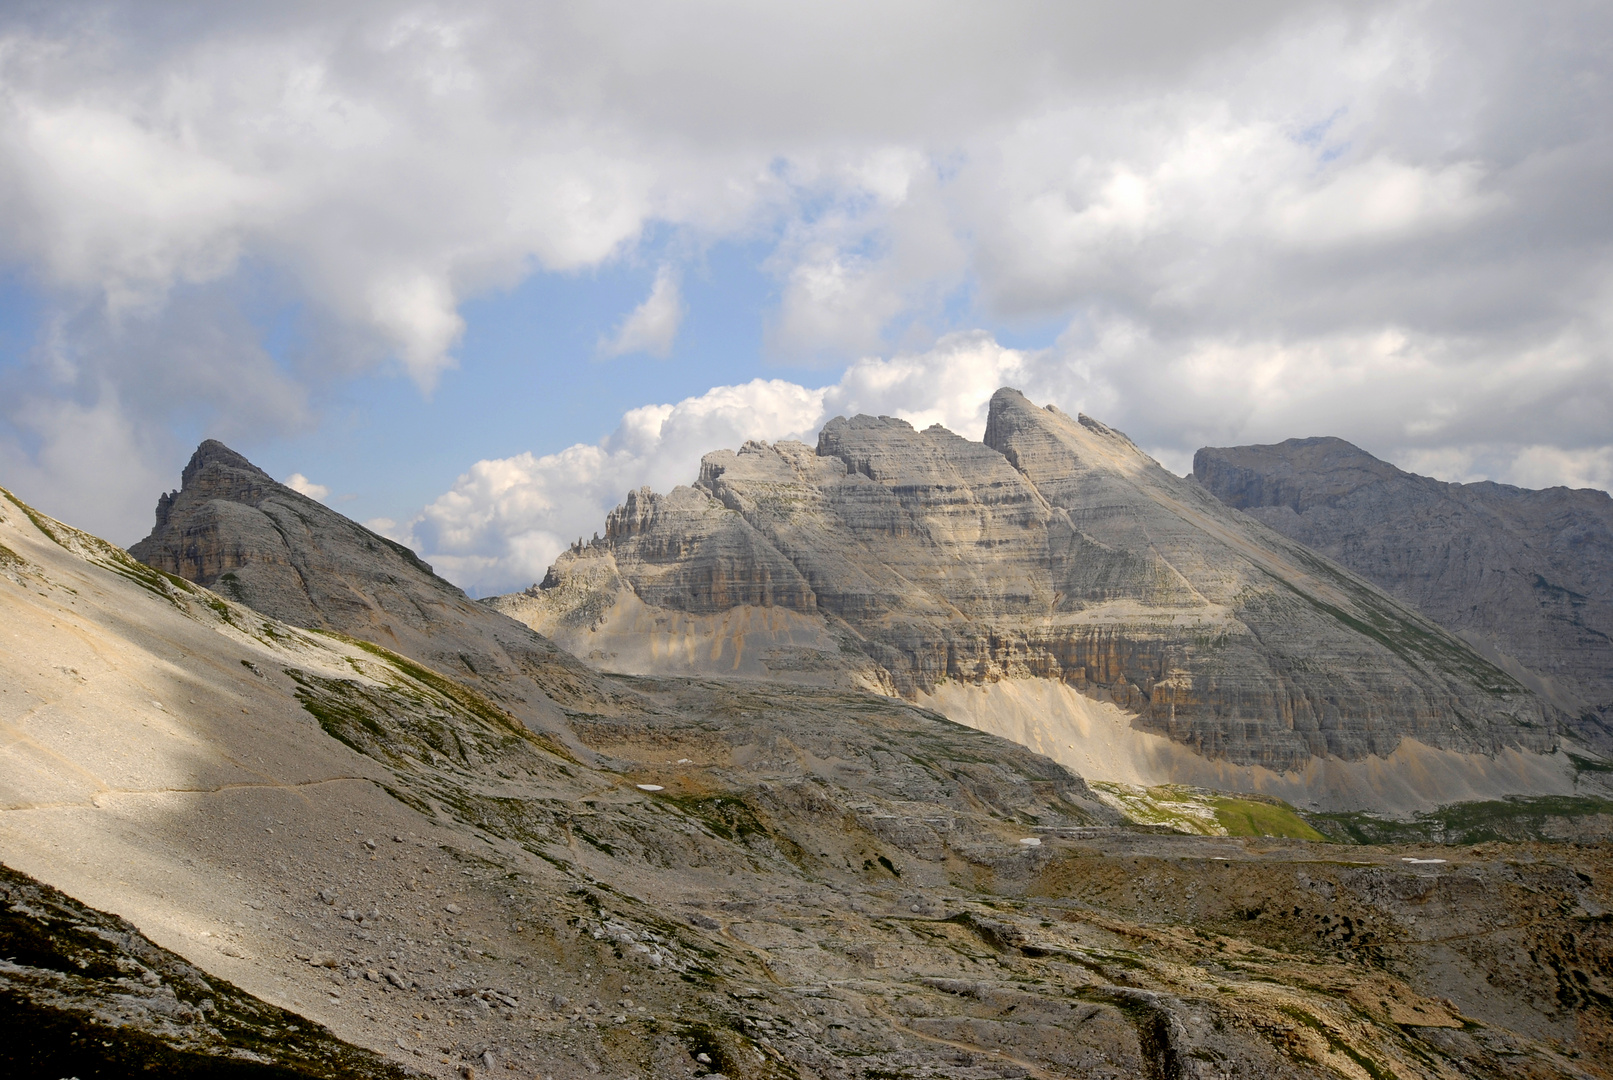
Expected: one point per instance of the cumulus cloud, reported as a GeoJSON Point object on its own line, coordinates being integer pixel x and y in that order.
{"type": "Point", "coordinates": [300, 483]}
{"type": "Point", "coordinates": [502, 523]}
{"type": "Point", "coordinates": [1241, 221]}
{"type": "Point", "coordinates": [1549, 466]}
{"type": "Point", "coordinates": [653, 325]}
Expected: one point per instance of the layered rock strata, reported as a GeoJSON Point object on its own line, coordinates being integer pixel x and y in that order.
{"type": "Point", "coordinates": [1527, 576]}
{"type": "Point", "coordinates": [232, 528]}
{"type": "Point", "coordinates": [1054, 549]}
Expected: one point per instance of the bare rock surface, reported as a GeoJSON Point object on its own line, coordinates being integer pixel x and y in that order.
{"type": "Point", "coordinates": [234, 529]}
{"type": "Point", "coordinates": [732, 878]}
{"type": "Point", "coordinates": [1056, 549]}
{"type": "Point", "coordinates": [1527, 576]}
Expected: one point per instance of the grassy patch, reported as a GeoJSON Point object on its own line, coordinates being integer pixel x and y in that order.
{"type": "Point", "coordinates": [461, 696]}
{"type": "Point", "coordinates": [1250, 817]}
{"type": "Point", "coordinates": [10, 560]}
{"type": "Point", "coordinates": [221, 608]}
{"type": "Point", "coordinates": [727, 816]}
{"type": "Point", "coordinates": [1337, 1045]}
{"type": "Point", "coordinates": [1588, 765]}
{"type": "Point", "coordinates": [1518, 818]}
{"type": "Point", "coordinates": [342, 709]}
{"type": "Point", "coordinates": [1201, 812]}
{"type": "Point", "coordinates": [438, 752]}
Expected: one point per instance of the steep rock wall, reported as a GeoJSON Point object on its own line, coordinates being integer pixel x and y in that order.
{"type": "Point", "coordinates": [1526, 575]}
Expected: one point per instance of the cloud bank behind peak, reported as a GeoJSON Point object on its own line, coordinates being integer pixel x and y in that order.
{"type": "Point", "coordinates": [502, 523]}
{"type": "Point", "coordinates": [1385, 219]}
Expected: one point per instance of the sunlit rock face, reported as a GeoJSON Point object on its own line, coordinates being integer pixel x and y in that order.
{"type": "Point", "coordinates": [1054, 549]}
{"type": "Point", "coordinates": [1526, 576]}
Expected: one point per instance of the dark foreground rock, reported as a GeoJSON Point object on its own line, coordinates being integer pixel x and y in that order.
{"type": "Point", "coordinates": [85, 994]}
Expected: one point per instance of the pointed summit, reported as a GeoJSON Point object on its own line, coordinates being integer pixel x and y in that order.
{"type": "Point", "coordinates": [214, 455]}
{"type": "Point", "coordinates": [214, 471]}
{"type": "Point", "coordinates": [234, 529]}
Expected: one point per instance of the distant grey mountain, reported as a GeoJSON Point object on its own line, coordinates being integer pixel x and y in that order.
{"type": "Point", "coordinates": [1526, 576]}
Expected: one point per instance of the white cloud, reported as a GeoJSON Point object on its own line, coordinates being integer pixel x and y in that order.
{"type": "Point", "coordinates": [950, 384]}
{"type": "Point", "coordinates": [653, 325]}
{"type": "Point", "coordinates": [1253, 219]}
{"type": "Point", "coordinates": [1550, 466]}
{"type": "Point", "coordinates": [300, 483]}
{"type": "Point", "coordinates": [503, 522]}
{"type": "Point", "coordinates": [1381, 199]}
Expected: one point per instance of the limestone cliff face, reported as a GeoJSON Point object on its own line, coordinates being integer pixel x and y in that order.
{"type": "Point", "coordinates": [1526, 575]}
{"type": "Point", "coordinates": [234, 529]}
{"type": "Point", "coordinates": [1054, 549]}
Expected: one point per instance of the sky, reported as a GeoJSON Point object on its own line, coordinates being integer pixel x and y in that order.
{"type": "Point", "coordinates": [469, 273]}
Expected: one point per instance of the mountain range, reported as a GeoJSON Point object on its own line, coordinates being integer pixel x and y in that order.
{"type": "Point", "coordinates": [1054, 584]}
{"type": "Point", "coordinates": [279, 801]}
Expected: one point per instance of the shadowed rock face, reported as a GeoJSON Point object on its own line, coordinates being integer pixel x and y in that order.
{"type": "Point", "coordinates": [1054, 549]}
{"type": "Point", "coordinates": [85, 993]}
{"type": "Point", "coordinates": [1526, 575]}
{"type": "Point", "coordinates": [232, 528]}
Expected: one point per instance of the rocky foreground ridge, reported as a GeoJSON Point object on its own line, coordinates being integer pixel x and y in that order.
{"type": "Point", "coordinates": [84, 993]}
{"type": "Point", "coordinates": [1525, 575]}
{"type": "Point", "coordinates": [1055, 549]}
{"type": "Point", "coordinates": [711, 879]}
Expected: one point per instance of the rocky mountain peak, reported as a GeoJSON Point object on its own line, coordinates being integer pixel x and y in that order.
{"type": "Point", "coordinates": [234, 529]}
{"type": "Point", "coordinates": [1054, 549]}
{"type": "Point", "coordinates": [214, 470]}
{"type": "Point", "coordinates": [1291, 473]}
{"type": "Point", "coordinates": [1023, 432]}
{"type": "Point", "coordinates": [213, 459]}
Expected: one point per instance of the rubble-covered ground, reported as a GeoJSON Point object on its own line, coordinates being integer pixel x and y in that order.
{"type": "Point", "coordinates": [704, 878]}
{"type": "Point", "coordinates": [85, 994]}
